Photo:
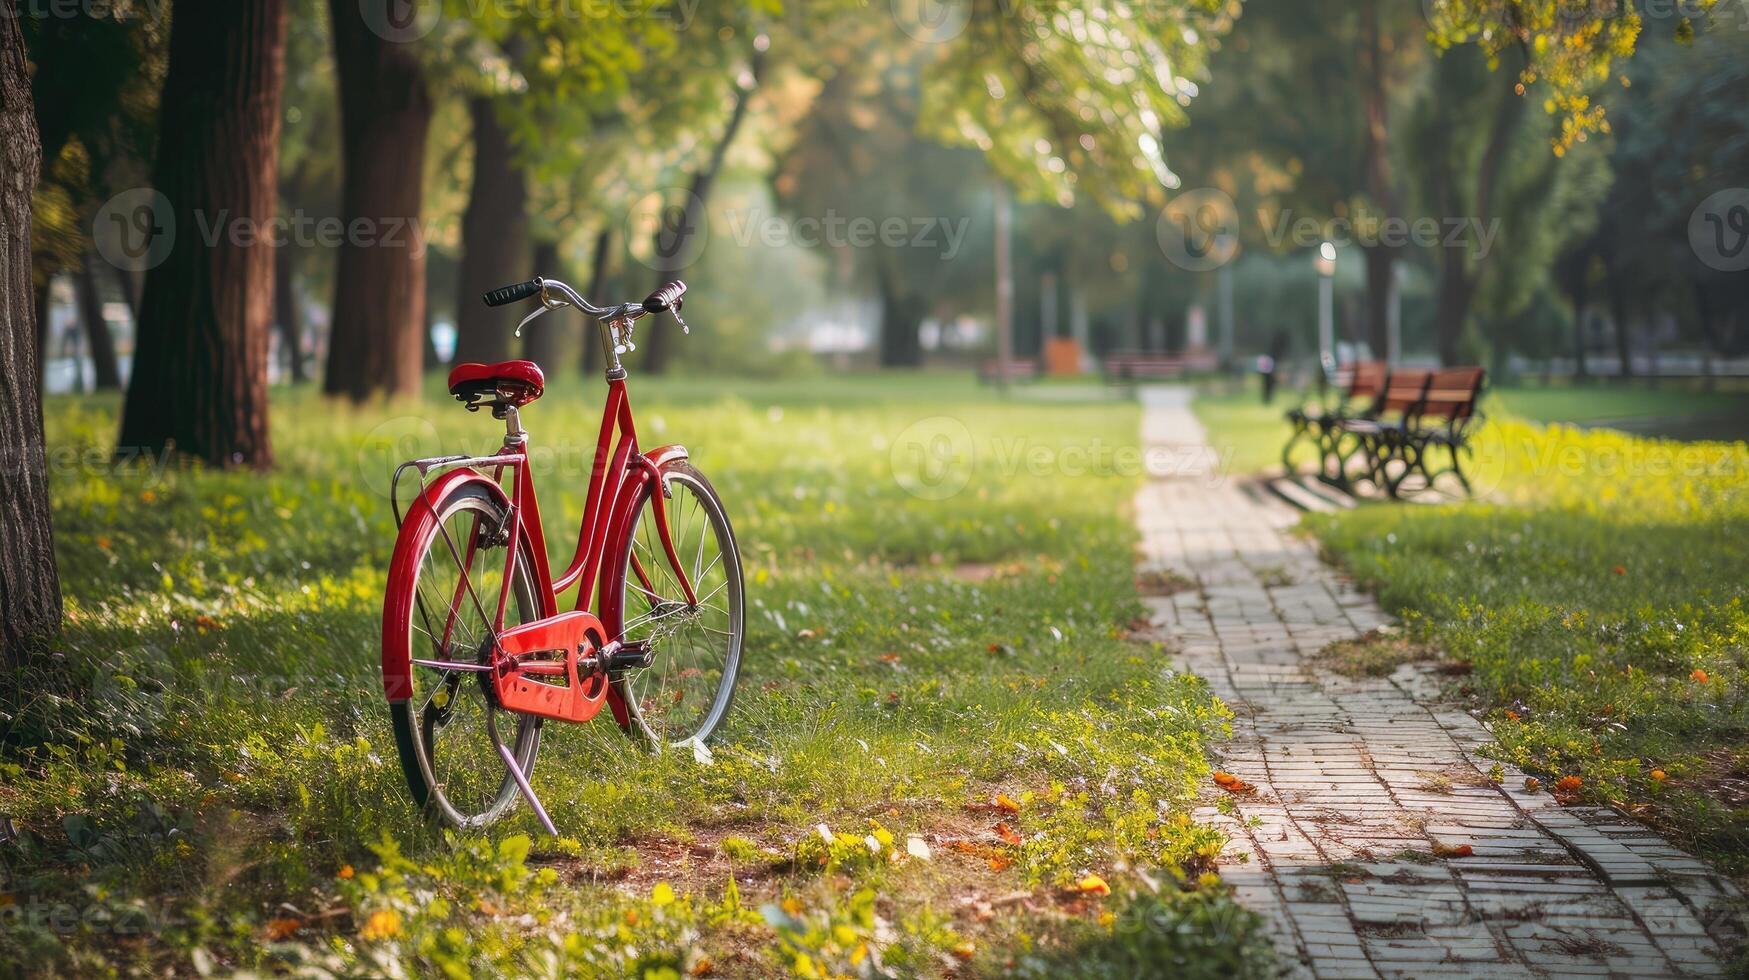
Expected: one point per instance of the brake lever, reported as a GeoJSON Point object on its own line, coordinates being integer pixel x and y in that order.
{"type": "Point", "coordinates": [675, 309]}
{"type": "Point", "coordinates": [538, 311]}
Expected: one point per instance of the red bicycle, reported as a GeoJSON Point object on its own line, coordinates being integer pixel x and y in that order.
{"type": "Point", "coordinates": [477, 655]}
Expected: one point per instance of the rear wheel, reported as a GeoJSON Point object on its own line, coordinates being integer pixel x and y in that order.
{"type": "Point", "coordinates": [685, 692]}
{"type": "Point", "coordinates": [449, 730]}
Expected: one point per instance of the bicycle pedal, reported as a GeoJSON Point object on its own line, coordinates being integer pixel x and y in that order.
{"type": "Point", "coordinates": [630, 656]}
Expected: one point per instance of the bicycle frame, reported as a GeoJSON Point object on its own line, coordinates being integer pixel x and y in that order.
{"type": "Point", "coordinates": [587, 639]}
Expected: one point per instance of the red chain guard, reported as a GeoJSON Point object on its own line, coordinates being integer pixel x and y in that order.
{"type": "Point", "coordinates": [575, 633]}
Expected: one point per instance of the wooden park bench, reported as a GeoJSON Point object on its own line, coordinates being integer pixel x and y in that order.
{"type": "Point", "coordinates": [1422, 411]}
{"type": "Point", "coordinates": [1141, 366]}
{"type": "Point", "coordinates": [1135, 365]}
{"type": "Point", "coordinates": [1019, 369]}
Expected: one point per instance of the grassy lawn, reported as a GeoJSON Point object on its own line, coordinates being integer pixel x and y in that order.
{"type": "Point", "coordinates": [1598, 594]}
{"type": "Point", "coordinates": [946, 747]}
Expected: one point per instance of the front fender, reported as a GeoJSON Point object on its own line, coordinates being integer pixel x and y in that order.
{"type": "Point", "coordinates": [419, 524]}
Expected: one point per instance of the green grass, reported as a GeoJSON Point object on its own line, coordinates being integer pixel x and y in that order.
{"type": "Point", "coordinates": [206, 776]}
{"type": "Point", "coordinates": [1598, 592]}
{"type": "Point", "coordinates": [1605, 401]}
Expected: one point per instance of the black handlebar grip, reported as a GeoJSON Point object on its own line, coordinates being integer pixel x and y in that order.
{"type": "Point", "coordinates": [511, 294]}
{"type": "Point", "coordinates": [666, 297]}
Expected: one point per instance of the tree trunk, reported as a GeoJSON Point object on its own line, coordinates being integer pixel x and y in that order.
{"type": "Point", "coordinates": [199, 381]}
{"type": "Point", "coordinates": [541, 341]}
{"type": "Point", "coordinates": [39, 309]}
{"type": "Point", "coordinates": [106, 371]}
{"type": "Point", "coordinates": [901, 315]}
{"type": "Point", "coordinates": [379, 284]}
{"type": "Point", "coordinates": [1618, 311]}
{"type": "Point", "coordinates": [1380, 258]}
{"type": "Point", "coordinates": [600, 268]}
{"type": "Point", "coordinates": [494, 239]}
{"type": "Point", "coordinates": [673, 238]}
{"type": "Point", "coordinates": [288, 312]}
{"type": "Point", "coordinates": [129, 284]}
{"type": "Point", "coordinates": [1581, 296]}
{"type": "Point", "coordinates": [1458, 281]}
{"type": "Point", "coordinates": [30, 589]}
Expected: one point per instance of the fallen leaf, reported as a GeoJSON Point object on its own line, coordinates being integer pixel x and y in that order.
{"type": "Point", "coordinates": [278, 929]}
{"type": "Point", "coordinates": [1659, 775]}
{"type": "Point", "coordinates": [703, 967]}
{"type": "Point", "coordinates": [1233, 784]}
{"type": "Point", "coordinates": [345, 871]}
{"type": "Point", "coordinates": [964, 951]}
{"type": "Point", "coordinates": [1453, 850]}
{"type": "Point", "coordinates": [1570, 783]}
{"type": "Point", "coordinates": [1093, 885]}
{"type": "Point", "coordinates": [1699, 676]}
{"type": "Point", "coordinates": [890, 658]}
{"type": "Point", "coordinates": [1532, 784]}
{"type": "Point", "coordinates": [1005, 804]}
{"type": "Point", "coordinates": [1007, 834]}
{"type": "Point", "coordinates": [1620, 570]}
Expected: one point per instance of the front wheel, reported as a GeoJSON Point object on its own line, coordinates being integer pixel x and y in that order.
{"type": "Point", "coordinates": [684, 694]}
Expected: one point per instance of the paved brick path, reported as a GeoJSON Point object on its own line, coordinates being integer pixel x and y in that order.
{"type": "Point", "coordinates": [1358, 780]}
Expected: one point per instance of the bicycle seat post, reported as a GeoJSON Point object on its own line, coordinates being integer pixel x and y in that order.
{"type": "Point", "coordinates": [514, 434]}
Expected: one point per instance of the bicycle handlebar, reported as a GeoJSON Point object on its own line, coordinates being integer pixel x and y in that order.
{"type": "Point", "coordinates": [510, 294]}
{"type": "Point", "coordinates": [662, 300]}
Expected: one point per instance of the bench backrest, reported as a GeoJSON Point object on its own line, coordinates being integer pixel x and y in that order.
{"type": "Point", "coordinates": [1404, 390]}
{"type": "Point", "coordinates": [1453, 392]}
{"type": "Point", "coordinates": [1367, 378]}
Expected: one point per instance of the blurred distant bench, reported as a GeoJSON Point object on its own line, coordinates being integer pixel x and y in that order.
{"type": "Point", "coordinates": [1019, 369]}
{"type": "Point", "coordinates": [1133, 365]}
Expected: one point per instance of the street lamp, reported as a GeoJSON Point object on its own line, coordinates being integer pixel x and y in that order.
{"type": "Point", "coordinates": [1325, 262]}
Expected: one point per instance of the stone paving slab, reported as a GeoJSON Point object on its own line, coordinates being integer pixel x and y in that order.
{"type": "Point", "coordinates": [1357, 781]}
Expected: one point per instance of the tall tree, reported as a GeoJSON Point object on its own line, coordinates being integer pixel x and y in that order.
{"type": "Point", "coordinates": [494, 236]}
{"type": "Point", "coordinates": [379, 291]}
{"type": "Point", "coordinates": [288, 311]}
{"type": "Point", "coordinates": [541, 342]}
{"type": "Point", "coordinates": [30, 591]}
{"type": "Point", "coordinates": [106, 372]}
{"type": "Point", "coordinates": [199, 381]}
{"type": "Point", "coordinates": [682, 221]}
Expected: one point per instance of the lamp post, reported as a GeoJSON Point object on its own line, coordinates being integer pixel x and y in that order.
{"type": "Point", "coordinates": [1325, 261]}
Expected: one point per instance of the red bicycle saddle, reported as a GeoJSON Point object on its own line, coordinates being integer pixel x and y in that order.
{"type": "Point", "coordinates": [519, 382]}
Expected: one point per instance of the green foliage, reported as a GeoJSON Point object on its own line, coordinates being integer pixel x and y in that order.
{"type": "Point", "coordinates": [1571, 48]}
{"type": "Point", "coordinates": [1163, 930]}
{"type": "Point", "coordinates": [1067, 98]}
